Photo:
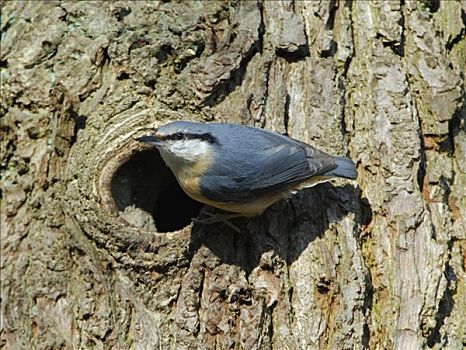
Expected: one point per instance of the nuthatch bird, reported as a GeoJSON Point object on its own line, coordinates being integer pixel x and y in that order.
{"type": "Point", "coordinates": [242, 169]}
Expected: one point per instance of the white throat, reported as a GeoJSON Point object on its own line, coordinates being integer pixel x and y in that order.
{"type": "Point", "coordinates": [180, 153]}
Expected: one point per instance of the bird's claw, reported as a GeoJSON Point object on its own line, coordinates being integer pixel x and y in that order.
{"type": "Point", "coordinates": [215, 217]}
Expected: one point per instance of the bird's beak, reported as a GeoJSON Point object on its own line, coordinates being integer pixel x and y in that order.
{"type": "Point", "coordinates": [150, 139]}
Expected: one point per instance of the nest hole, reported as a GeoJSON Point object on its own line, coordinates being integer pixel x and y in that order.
{"type": "Point", "coordinates": [147, 195]}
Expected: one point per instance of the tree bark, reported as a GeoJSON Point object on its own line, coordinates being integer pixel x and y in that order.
{"type": "Point", "coordinates": [97, 249]}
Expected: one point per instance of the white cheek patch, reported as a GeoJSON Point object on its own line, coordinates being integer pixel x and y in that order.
{"type": "Point", "coordinates": [188, 150]}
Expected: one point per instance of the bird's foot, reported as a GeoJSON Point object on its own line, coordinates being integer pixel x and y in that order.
{"type": "Point", "coordinates": [212, 218]}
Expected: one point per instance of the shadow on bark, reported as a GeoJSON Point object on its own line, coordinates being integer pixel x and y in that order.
{"type": "Point", "coordinates": [286, 228]}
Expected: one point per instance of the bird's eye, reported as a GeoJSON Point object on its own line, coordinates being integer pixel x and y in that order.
{"type": "Point", "coordinates": [178, 136]}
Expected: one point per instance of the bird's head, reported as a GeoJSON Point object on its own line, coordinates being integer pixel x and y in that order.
{"type": "Point", "coordinates": [182, 143]}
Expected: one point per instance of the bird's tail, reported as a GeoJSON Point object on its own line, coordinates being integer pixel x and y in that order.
{"type": "Point", "coordinates": [345, 168]}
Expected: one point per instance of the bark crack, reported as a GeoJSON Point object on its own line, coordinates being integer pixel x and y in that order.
{"type": "Point", "coordinates": [446, 303]}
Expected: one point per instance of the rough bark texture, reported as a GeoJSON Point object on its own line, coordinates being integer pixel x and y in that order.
{"type": "Point", "coordinates": [376, 263]}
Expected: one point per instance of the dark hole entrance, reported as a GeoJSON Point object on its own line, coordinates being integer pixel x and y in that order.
{"type": "Point", "coordinates": [147, 195]}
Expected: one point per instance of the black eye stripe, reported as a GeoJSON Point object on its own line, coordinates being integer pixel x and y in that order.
{"type": "Point", "coordinates": [175, 136]}
{"type": "Point", "coordinates": [190, 136]}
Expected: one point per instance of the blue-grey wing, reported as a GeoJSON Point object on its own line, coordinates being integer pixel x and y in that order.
{"type": "Point", "coordinates": [262, 163]}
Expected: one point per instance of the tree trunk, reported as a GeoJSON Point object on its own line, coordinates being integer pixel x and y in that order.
{"type": "Point", "coordinates": [97, 246]}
